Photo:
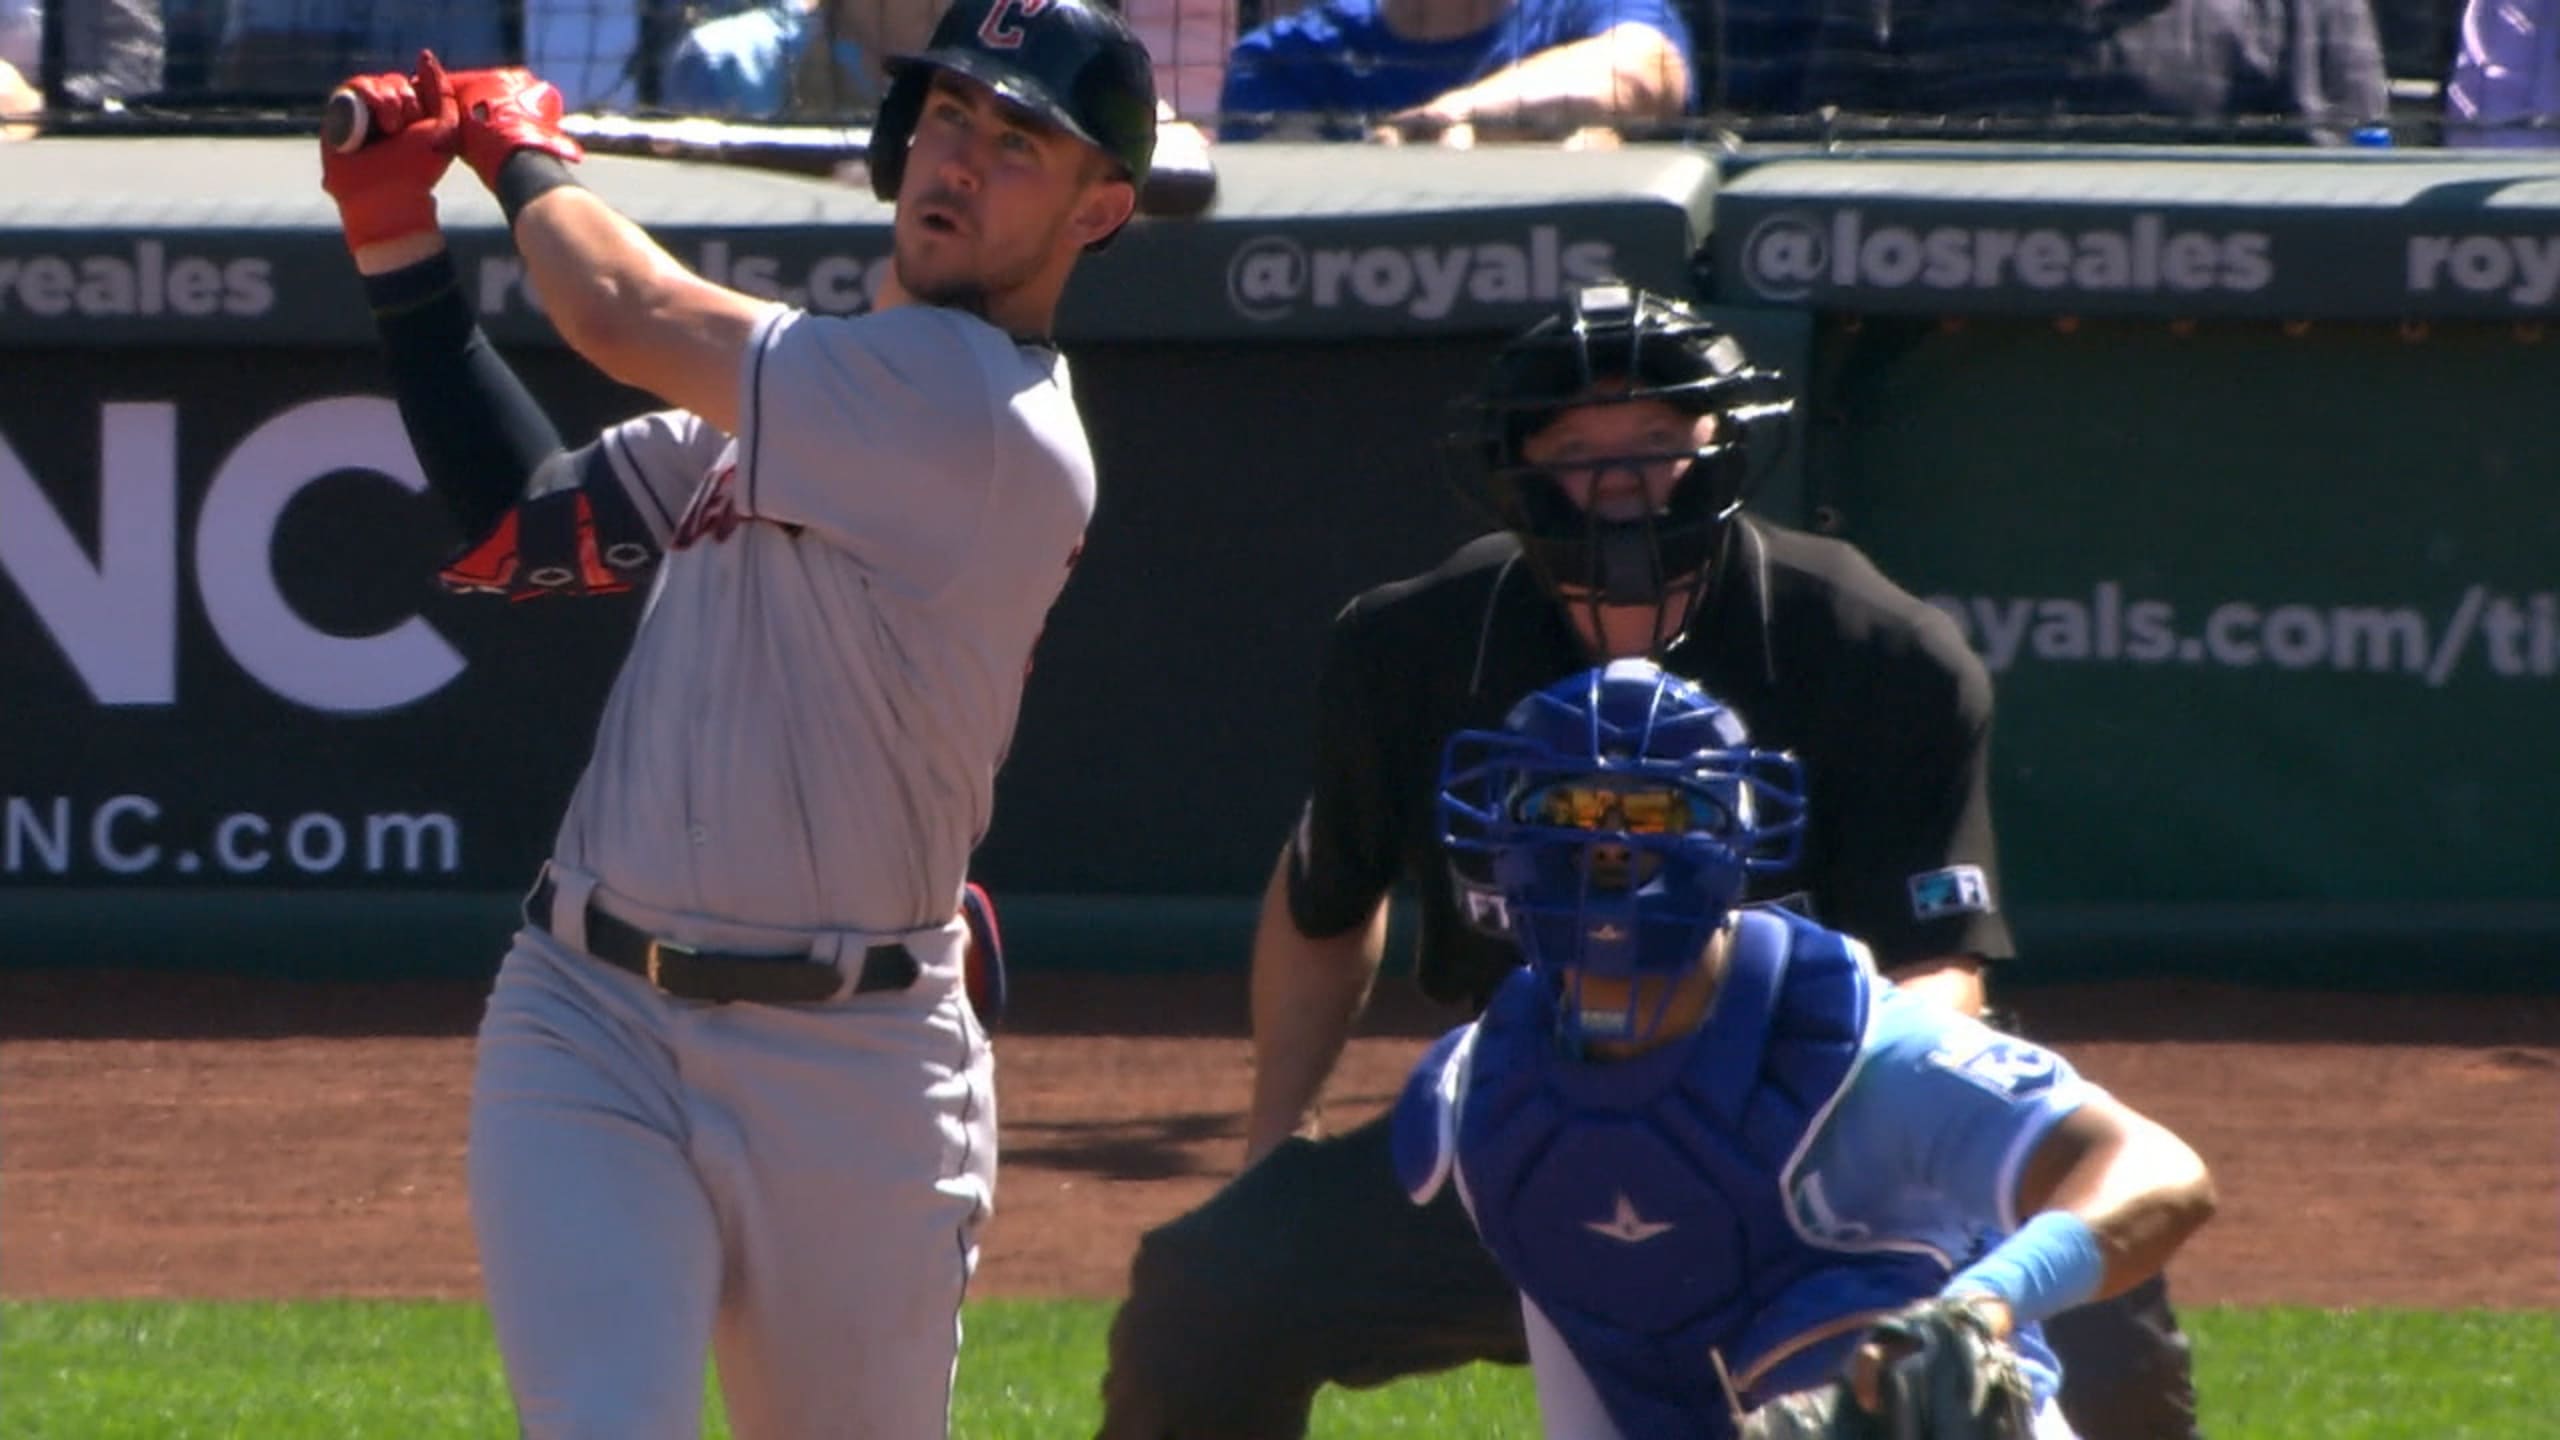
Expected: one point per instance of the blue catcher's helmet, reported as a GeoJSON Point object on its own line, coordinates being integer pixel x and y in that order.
{"type": "Point", "coordinates": [1622, 811]}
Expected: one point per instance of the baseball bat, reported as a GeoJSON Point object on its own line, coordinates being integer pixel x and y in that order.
{"type": "Point", "coordinates": [1181, 185]}
{"type": "Point", "coordinates": [346, 122]}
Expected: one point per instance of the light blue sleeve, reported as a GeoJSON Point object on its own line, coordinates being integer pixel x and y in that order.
{"type": "Point", "coordinates": [737, 64]}
{"type": "Point", "coordinates": [1935, 1129]}
{"type": "Point", "coordinates": [1569, 1404]}
{"type": "Point", "coordinates": [1423, 1135]}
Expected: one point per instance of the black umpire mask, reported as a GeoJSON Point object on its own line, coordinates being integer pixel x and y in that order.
{"type": "Point", "coordinates": [1616, 345]}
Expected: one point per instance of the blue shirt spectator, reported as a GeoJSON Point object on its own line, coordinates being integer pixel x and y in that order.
{"type": "Point", "coordinates": [2505, 88]}
{"type": "Point", "coordinates": [1339, 67]}
{"type": "Point", "coordinates": [737, 65]}
{"type": "Point", "coordinates": [743, 65]}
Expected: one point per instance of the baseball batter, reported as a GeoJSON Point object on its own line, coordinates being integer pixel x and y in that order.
{"type": "Point", "coordinates": [1712, 1148]}
{"type": "Point", "coordinates": [731, 1094]}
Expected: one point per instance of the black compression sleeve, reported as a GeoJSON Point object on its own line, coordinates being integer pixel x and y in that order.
{"type": "Point", "coordinates": [478, 432]}
{"type": "Point", "coordinates": [527, 176]}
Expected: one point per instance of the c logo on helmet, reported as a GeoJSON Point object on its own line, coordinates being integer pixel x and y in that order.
{"type": "Point", "coordinates": [998, 32]}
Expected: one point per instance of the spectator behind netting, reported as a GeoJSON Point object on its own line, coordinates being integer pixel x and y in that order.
{"type": "Point", "coordinates": [21, 51]}
{"type": "Point", "coordinates": [593, 51]}
{"type": "Point", "coordinates": [2505, 87]}
{"type": "Point", "coordinates": [1186, 39]}
{"type": "Point", "coordinates": [1190, 40]}
{"type": "Point", "coordinates": [720, 57]}
{"type": "Point", "coordinates": [2131, 70]}
{"type": "Point", "coordinates": [301, 48]}
{"type": "Point", "coordinates": [111, 49]}
{"type": "Point", "coordinates": [733, 58]}
{"type": "Point", "coordinates": [743, 65]}
{"type": "Point", "coordinates": [822, 59]}
{"type": "Point", "coordinates": [1394, 69]}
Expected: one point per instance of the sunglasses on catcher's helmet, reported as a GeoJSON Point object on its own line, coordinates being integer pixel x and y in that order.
{"type": "Point", "coordinates": [1618, 808]}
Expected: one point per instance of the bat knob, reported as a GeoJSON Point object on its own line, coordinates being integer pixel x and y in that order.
{"type": "Point", "coordinates": [346, 123]}
{"type": "Point", "coordinates": [1184, 181]}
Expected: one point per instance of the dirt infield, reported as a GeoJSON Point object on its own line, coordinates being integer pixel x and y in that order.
{"type": "Point", "coordinates": [224, 1138]}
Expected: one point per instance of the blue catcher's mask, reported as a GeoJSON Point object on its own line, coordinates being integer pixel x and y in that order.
{"type": "Point", "coordinates": [1621, 812]}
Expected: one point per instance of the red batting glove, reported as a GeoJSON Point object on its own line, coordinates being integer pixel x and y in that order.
{"type": "Point", "coordinates": [499, 112]}
{"type": "Point", "coordinates": [387, 189]}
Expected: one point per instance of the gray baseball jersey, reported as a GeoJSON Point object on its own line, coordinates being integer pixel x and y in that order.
{"type": "Point", "coordinates": [808, 728]}
{"type": "Point", "coordinates": [799, 754]}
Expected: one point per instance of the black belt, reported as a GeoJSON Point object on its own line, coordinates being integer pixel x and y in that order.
{"type": "Point", "coordinates": [690, 973]}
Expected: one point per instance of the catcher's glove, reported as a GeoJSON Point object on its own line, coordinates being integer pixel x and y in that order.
{"type": "Point", "coordinates": [1945, 1376]}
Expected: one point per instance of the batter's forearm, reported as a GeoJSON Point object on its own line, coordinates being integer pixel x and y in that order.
{"type": "Point", "coordinates": [478, 432]}
{"type": "Point", "coordinates": [595, 271]}
{"type": "Point", "coordinates": [1306, 995]}
{"type": "Point", "coordinates": [627, 306]}
{"type": "Point", "coordinates": [384, 256]}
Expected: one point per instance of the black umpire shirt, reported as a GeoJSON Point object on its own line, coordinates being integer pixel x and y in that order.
{"type": "Point", "coordinates": [1874, 691]}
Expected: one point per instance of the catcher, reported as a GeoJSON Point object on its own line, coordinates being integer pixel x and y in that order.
{"type": "Point", "coordinates": [1744, 1186]}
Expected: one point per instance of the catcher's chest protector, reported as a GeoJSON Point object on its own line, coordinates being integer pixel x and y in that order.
{"type": "Point", "coordinates": [1643, 1203]}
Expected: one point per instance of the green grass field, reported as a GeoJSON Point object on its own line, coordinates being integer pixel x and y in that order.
{"type": "Point", "coordinates": [339, 1371]}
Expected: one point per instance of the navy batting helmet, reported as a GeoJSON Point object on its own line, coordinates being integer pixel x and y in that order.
{"type": "Point", "coordinates": [1615, 343]}
{"type": "Point", "coordinates": [1622, 811]}
{"type": "Point", "coordinates": [1073, 63]}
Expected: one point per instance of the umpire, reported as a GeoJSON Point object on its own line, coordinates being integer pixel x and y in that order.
{"type": "Point", "coordinates": [1617, 441]}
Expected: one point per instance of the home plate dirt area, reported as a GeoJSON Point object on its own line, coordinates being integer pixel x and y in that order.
{"type": "Point", "coordinates": [222, 1137]}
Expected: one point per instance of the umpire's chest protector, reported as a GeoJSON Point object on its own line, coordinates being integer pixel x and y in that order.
{"type": "Point", "coordinates": [1643, 1203]}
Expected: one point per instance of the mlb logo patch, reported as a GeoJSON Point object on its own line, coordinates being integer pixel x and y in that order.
{"type": "Point", "coordinates": [1485, 910]}
{"type": "Point", "coordinates": [1956, 890]}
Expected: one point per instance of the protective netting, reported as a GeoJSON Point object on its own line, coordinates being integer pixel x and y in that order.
{"type": "Point", "coordinates": [2403, 72]}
